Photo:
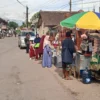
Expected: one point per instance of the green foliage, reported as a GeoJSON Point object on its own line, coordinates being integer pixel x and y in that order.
{"type": "Point", "coordinates": [12, 25]}
{"type": "Point", "coordinates": [24, 25]}
{"type": "Point", "coordinates": [35, 16]}
{"type": "Point", "coordinates": [18, 31]}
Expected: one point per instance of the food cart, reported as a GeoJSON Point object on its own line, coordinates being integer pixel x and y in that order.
{"type": "Point", "coordinates": [84, 21]}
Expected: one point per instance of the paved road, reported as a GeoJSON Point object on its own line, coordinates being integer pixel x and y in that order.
{"type": "Point", "coordinates": [22, 79]}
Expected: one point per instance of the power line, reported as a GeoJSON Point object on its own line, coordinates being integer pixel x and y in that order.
{"type": "Point", "coordinates": [21, 3]}
{"type": "Point", "coordinates": [45, 5]}
{"type": "Point", "coordinates": [86, 2]}
{"type": "Point", "coordinates": [64, 7]}
{"type": "Point", "coordinates": [26, 12]}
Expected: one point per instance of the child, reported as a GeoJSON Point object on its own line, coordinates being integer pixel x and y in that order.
{"type": "Point", "coordinates": [31, 50]}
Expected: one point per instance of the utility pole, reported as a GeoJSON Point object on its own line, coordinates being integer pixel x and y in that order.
{"type": "Point", "coordinates": [99, 6]}
{"type": "Point", "coordinates": [27, 16]}
{"type": "Point", "coordinates": [70, 6]}
{"type": "Point", "coordinates": [99, 9]}
{"type": "Point", "coordinates": [94, 8]}
{"type": "Point", "coordinates": [26, 12]}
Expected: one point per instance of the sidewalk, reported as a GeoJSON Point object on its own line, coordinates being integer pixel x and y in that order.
{"type": "Point", "coordinates": [76, 87]}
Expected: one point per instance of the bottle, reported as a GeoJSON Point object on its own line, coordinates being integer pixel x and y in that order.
{"type": "Point", "coordinates": [86, 76]}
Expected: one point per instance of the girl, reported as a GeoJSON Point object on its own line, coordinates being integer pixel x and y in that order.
{"type": "Point", "coordinates": [31, 50]}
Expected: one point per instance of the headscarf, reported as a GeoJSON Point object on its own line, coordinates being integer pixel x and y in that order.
{"type": "Point", "coordinates": [46, 41]}
{"type": "Point", "coordinates": [37, 39]}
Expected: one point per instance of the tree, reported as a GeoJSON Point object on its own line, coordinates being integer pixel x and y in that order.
{"type": "Point", "coordinates": [24, 25]}
{"type": "Point", "coordinates": [35, 16]}
{"type": "Point", "coordinates": [13, 24]}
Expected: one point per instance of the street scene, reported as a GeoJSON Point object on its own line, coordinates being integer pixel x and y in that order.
{"type": "Point", "coordinates": [50, 50]}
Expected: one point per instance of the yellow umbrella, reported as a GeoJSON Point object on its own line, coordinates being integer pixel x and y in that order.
{"type": "Point", "coordinates": [83, 20]}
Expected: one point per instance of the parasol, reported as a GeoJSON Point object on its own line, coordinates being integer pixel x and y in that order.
{"type": "Point", "coordinates": [84, 20]}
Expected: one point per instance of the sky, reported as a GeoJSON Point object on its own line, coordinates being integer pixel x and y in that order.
{"type": "Point", "coordinates": [11, 9]}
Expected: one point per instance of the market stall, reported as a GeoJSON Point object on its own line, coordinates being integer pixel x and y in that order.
{"type": "Point", "coordinates": [84, 21]}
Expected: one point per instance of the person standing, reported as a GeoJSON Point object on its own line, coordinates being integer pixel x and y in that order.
{"type": "Point", "coordinates": [40, 49]}
{"type": "Point", "coordinates": [68, 49]}
{"type": "Point", "coordinates": [31, 50]}
{"type": "Point", "coordinates": [36, 45]}
{"type": "Point", "coordinates": [27, 42]}
{"type": "Point", "coordinates": [86, 48]}
{"type": "Point", "coordinates": [15, 33]}
{"type": "Point", "coordinates": [47, 54]}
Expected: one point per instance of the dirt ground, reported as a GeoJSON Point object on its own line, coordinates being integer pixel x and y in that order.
{"type": "Point", "coordinates": [77, 88]}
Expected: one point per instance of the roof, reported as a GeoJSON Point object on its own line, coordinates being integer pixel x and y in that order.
{"type": "Point", "coordinates": [53, 18]}
{"type": "Point", "coordinates": [3, 21]}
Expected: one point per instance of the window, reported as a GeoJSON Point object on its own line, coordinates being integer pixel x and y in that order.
{"type": "Point", "coordinates": [24, 33]}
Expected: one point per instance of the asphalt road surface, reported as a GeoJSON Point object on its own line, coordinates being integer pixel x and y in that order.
{"type": "Point", "coordinates": [22, 79]}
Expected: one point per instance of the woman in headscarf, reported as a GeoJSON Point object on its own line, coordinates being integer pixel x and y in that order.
{"type": "Point", "coordinates": [40, 49]}
{"type": "Point", "coordinates": [47, 54]}
{"type": "Point", "coordinates": [68, 49]}
{"type": "Point", "coordinates": [36, 45]}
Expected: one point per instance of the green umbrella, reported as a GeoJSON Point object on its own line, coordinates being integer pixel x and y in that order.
{"type": "Point", "coordinates": [71, 21]}
{"type": "Point", "coordinates": [83, 20]}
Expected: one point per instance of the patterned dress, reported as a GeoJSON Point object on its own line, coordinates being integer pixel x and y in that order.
{"type": "Point", "coordinates": [47, 57]}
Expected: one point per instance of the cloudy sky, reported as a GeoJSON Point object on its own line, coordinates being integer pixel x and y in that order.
{"type": "Point", "coordinates": [11, 9]}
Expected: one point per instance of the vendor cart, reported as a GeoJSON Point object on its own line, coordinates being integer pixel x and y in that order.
{"type": "Point", "coordinates": [95, 66]}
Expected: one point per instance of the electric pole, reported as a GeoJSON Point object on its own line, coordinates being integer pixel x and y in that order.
{"type": "Point", "coordinates": [26, 12]}
{"type": "Point", "coordinates": [27, 16]}
{"type": "Point", "coordinates": [99, 6]}
{"type": "Point", "coordinates": [99, 9]}
{"type": "Point", "coordinates": [94, 8]}
{"type": "Point", "coordinates": [70, 6]}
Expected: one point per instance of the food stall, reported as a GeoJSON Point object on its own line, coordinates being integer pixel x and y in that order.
{"type": "Point", "coordinates": [84, 21]}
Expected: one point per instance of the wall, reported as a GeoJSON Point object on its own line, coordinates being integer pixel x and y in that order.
{"type": "Point", "coordinates": [42, 29]}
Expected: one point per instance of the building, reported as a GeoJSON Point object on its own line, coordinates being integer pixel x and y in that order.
{"type": "Point", "coordinates": [3, 24]}
{"type": "Point", "coordinates": [49, 20]}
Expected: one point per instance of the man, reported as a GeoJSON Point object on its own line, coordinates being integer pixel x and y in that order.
{"type": "Point", "coordinates": [68, 49]}
{"type": "Point", "coordinates": [15, 33]}
{"type": "Point", "coordinates": [27, 42]}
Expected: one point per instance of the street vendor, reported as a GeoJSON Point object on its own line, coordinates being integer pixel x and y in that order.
{"type": "Point", "coordinates": [86, 48]}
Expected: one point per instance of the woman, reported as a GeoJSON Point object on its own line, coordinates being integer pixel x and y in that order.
{"type": "Point", "coordinates": [86, 47]}
{"type": "Point", "coordinates": [67, 55]}
{"type": "Point", "coordinates": [47, 54]}
{"type": "Point", "coordinates": [40, 49]}
{"type": "Point", "coordinates": [36, 45]}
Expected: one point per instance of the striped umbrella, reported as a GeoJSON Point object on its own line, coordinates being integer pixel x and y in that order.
{"type": "Point", "coordinates": [84, 20]}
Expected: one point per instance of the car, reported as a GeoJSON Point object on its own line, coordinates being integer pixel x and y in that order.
{"type": "Point", "coordinates": [22, 35]}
